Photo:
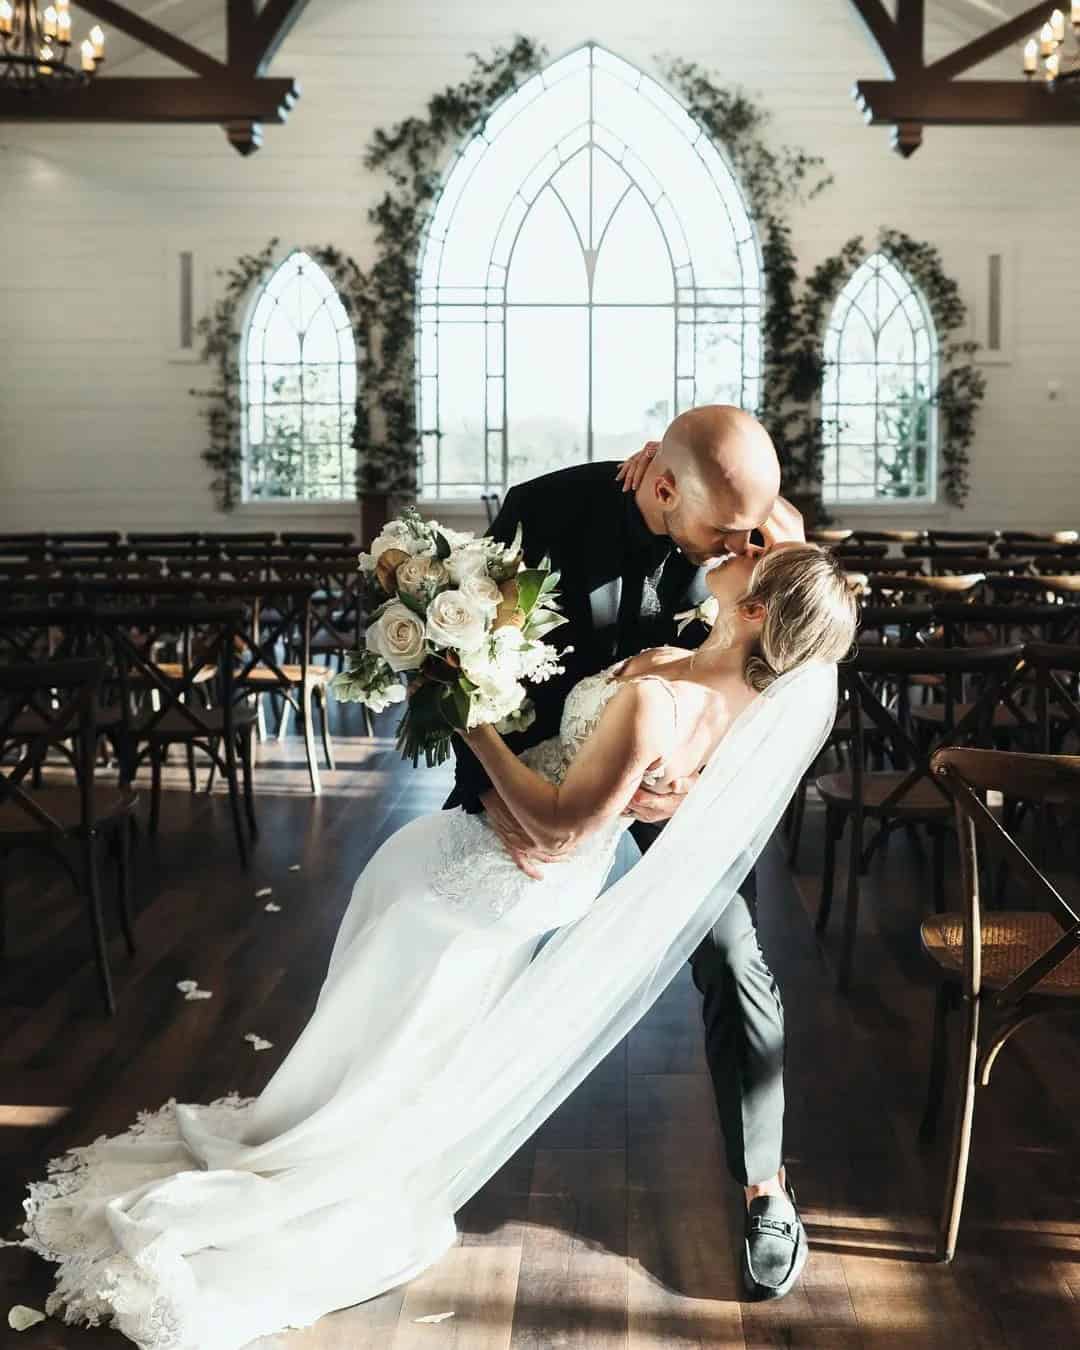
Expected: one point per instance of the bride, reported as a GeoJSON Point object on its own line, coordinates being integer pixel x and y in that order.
{"type": "Point", "coordinates": [438, 1042]}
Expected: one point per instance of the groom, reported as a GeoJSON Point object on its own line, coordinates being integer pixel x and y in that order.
{"type": "Point", "coordinates": [629, 563]}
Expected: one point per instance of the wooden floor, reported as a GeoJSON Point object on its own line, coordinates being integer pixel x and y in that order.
{"type": "Point", "coordinates": [616, 1225]}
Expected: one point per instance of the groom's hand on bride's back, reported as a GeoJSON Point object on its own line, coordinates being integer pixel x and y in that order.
{"type": "Point", "coordinates": [655, 805]}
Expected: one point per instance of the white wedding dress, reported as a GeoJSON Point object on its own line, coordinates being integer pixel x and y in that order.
{"type": "Point", "coordinates": [204, 1227]}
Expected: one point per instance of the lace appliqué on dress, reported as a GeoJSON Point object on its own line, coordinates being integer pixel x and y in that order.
{"type": "Point", "coordinates": [473, 869]}
{"type": "Point", "coordinates": [66, 1224]}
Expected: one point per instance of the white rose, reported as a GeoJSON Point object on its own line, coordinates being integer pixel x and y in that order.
{"type": "Point", "coordinates": [394, 536]}
{"type": "Point", "coordinates": [421, 577]}
{"type": "Point", "coordinates": [453, 621]}
{"type": "Point", "coordinates": [496, 697]}
{"type": "Point", "coordinates": [380, 699]}
{"type": "Point", "coordinates": [398, 637]}
{"type": "Point", "coordinates": [468, 562]}
{"type": "Point", "coordinates": [482, 592]}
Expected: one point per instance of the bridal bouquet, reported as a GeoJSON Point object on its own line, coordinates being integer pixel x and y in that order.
{"type": "Point", "coordinates": [465, 618]}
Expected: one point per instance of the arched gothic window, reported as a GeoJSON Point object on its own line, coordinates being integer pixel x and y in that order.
{"type": "Point", "coordinates": [589, 270]}
{"type": "Point", "coordinates": [881, 371]}
{"type": "Point", "coordinates": [298, 368]}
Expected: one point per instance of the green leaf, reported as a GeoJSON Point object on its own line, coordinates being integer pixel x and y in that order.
{"type": "Point", "coordinates": [529, 583]}
{"type": "Point", "coordinates": [442, 546]}
{"type": "Point", "coordinates": [417, 606]}
{"type": "Point", "coordinates": [544, 621]}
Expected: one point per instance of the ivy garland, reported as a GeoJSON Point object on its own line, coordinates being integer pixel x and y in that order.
{"type": "Point", "coordinates": [221, 337]}
{"type": "Point", "coordinates": [961, 386]}
{"type": "Point", "coordinates": [412, 155]}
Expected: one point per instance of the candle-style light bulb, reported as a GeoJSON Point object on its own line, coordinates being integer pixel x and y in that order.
{"type": "Point", "coordinates": [1057, 25]}
{"type": "Point", "coordinates": [6, 17]}
{"type": "Point", "coordinates": [49, 22]}
{"type": "Point", "coordinates": [88, 63]}
{"type": "Point", "coordinates": [1031, 57]}
{"type": "Point", "coordinates": [97, 37]}
{"type": "Point", "coordinates": [1046, 39]}
{"type": "Point", "coordinates": [45, 55]}
{"type": "Point", "coordinates": [63, 26]}
{"type": "Point", "coordinates": [1053, 66]}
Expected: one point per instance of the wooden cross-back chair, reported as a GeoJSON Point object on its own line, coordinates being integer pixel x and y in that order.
{"type": "Point", "coordinates": [835, 535]}
{"type": "Point", "coordinates": [879, 625]}
{"type": "Point", "coordinates": [909, 588]}
{"type": "Point", "coordinates": [63, 542]}
{"type": "Point", "coordinates": [1035, 548]}
{"type": "Point", "coordinates": [877, 692]}
{"type": "Point", "coordinates": [938, 538]}
{"type": "Point", "coordinates": [889, 536]}
{"type": "Point", "coordinates": [946, 551]}
{"type": "Point", "coordinates": [1063, 590]}
{"type": "Point", "coordinates": [317, 540]}
{"type": "Point", "coordinates": [1007, 966]}
{"type": "Point", "coordinates": [176, 713]}
{"type": "Point", "coordinates": [1040, 536]}
{"type": "Point", "coordinates": [58, 699]}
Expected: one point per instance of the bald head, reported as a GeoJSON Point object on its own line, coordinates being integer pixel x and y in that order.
{"type": "Point", "coordinates": [714, 479]}
{"type": "Point", "coordinates": [720, 451]}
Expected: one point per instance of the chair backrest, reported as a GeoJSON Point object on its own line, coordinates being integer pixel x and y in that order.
{"type": "Point", "coordinates": [878, 683]}
{"type": "Point", "coordinates": [889, 536]}
{"type": "Point", "coordinates": [1035, 547]}
{"type": "Point", "coordinates": [937, 537]}
{"type": "Point", "coordinates": [969, 775]}
{"type": "Point", "coordinates": [859, 548]}
{"type": "Point", "coordinates": [1054, 564]}
{"type": "Point", "coordinates": [1057, 682]}
{"type": "Point", "coordinates": [59, 696]}
{"type": "Point", "coordinates": [906, 588]}
{"type": "Point", "coordinates": [340, 539]}
{"type": "Point", "coordinates": [202, 637]}
{"type": "Point", "coordinates": [829, 536]}
{"type": "Point", "coordinates": [148, 538]}
{"type": "Point", "coordinates": [1041, 536]}
{"type": "Point", "coordinates": [946, 551]}
{"type": "Point", "coordinates": [962, 624]}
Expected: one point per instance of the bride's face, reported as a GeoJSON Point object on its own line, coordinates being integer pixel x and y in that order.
{"type": "Point", "coordinates": [728, 580]}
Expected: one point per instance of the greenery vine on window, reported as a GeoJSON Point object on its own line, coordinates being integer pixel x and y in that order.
{"type": "Point", "coordinates": [222, 336]}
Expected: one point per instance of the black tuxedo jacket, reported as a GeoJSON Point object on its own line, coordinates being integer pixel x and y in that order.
{"type": "Point", "coordinates": [597, 540]}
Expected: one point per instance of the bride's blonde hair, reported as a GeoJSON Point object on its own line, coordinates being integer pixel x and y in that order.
{"type": "Point", "coordinates": [810, 611]}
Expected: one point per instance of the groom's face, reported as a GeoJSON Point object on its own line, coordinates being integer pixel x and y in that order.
{"type": "Point", "coordinates": [716, 525]}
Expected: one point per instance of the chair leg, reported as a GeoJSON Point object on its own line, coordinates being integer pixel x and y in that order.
{"type": "Point", "coordinates": [309, 741]}
{"type": "Point", "coordinates": [234, 798]}
{"type": "Point", "coordinates": [92, 882]}
{"type": "Point", "coordinates": [193, 780]}
{"type": "Point", "coordinates": [963, 1124]}
{"type": "Point", "coordinates": [283, 719]}
{"type": "Point", "coordinates": [123, 884]}
{"type": "Point", "coordinates": [260, 718]}
{"type": "Point", "coordinates": [939, 871]}
{"type": "Point", "coordinates": [324, 723]}
{"type": "Point", "coordinates": [939, 1058]}
{"type": "Point", "coordinates": [247, 751]}
{"type": "Point", "coordinates": [215, 746]}
{"type": "Point", "coordinates": [834, 827]}
{"type": "Point", "coordinates": [156, 752]}
{"type": "Point", "coordinates": [851, 911]}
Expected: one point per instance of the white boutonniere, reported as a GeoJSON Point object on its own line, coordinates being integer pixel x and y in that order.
{"type": "Point", "coordinates": [704, 613]}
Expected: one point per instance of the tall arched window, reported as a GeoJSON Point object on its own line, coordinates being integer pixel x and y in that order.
{"type": "Point", "coordinates": [880, 375]}
{"type": "Point", "coordinates": [298, 366]}
{"type": "Point", "coordinates": [589, 270]}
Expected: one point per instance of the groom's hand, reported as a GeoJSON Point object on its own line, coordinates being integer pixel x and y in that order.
{"type": "Point", "coordinates": [517, 843]}
{"type": "Point", "coordinates": [655, 805]}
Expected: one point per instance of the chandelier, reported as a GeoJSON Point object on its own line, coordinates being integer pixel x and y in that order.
{"type": "Point", "coordinates": [1045, 57]}
{"type": "Point", "coordinates": [34, 47]}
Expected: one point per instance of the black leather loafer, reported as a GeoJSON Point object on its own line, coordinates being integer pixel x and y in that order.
{"type": "Point", "coordinates": [774, 1247]}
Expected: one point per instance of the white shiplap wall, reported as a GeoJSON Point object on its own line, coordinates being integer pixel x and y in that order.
{"type": "Point", "coordinates": [97, 428]}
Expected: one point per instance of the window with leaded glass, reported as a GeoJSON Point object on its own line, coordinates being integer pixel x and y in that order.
{"type": "Point", "coordinates": [880, 375]}
{"type": "Point", "coordinates": [298, 366]}
{"type": "Point", "coordinates": [589, 270]}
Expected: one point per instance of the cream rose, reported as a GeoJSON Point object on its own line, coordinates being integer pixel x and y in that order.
{"type": "Point", "coordinates": [421, 577]}
{"type": "Point", "coordinates": [398, 637]}
{"type": "Point", "coordinates": [470, 561]}
{"type": "Point", "coordinates": [397, 536]}
{"type": "Point", "coordinates": [453, 621]}
{"type": "Point", "coordinates": [481, 592]}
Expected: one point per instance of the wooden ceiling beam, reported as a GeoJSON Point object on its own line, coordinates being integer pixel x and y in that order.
{"type": "Point", "coordinates": [991, 43]}
{"type": "Point", "coordinates": [272, 27]}
{"type": "Point", "coordinates": [965, 103]}
{"type": "Point", "coordinates": [920, 94]}
{"type": "Point", "coordinates": [233, 94]}
{"type": "Point", "coordinates": [160, 39]}
{"type": "Point", "coordinates": [158, 99]}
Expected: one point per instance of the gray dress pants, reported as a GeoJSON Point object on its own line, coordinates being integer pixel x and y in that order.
{"type": "Point", "coordinates": [744, 1034]}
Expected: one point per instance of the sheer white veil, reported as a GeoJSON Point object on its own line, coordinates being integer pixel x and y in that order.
{"type": "Point", "coordinates": [596, 978]}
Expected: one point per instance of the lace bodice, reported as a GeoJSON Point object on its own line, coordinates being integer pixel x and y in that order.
{"type": "Point", "coordinates": [475, 867]}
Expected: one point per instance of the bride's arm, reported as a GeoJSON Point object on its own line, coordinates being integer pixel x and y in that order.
{"type": "Point", "coordinates": [634, 730]}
